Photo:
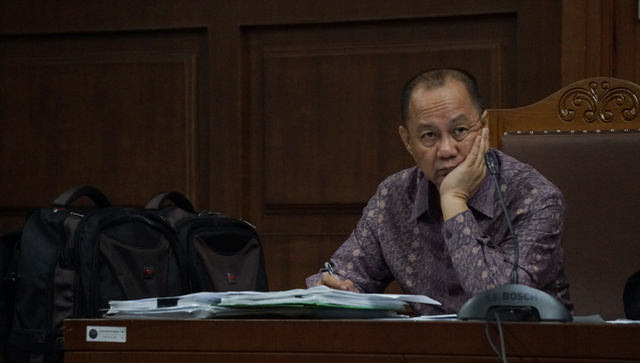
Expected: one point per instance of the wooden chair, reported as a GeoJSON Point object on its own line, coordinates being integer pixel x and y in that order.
{"type": "Point", "coordinates": [585, 138]}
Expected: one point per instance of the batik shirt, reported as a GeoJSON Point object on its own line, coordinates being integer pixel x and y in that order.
{"type": "Point", "coordinates": [402, 236]}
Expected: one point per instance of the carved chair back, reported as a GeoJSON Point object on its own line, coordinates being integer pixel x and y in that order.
{"type": "Point", "coordinates": [585, 138]}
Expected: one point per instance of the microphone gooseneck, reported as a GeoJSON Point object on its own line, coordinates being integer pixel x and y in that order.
{"type": "Point", "coordinates": [512, 301]}
{"type": "Point", "coordinates": [492, 165]}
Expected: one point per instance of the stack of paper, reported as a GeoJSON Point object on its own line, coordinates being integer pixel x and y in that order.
{"type": "Point", "coordinates": [193, 306]}
{"type": "Point", "coordinates": [316, 302]}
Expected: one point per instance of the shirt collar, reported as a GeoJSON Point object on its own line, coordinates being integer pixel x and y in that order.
{"type": "Point", "coordinates": [482, 201]}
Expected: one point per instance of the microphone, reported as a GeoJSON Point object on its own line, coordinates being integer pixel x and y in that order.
{"type": "Point", "coordinates": [492, 164]}
{"type": "Point", "coordinates": [512, 301]}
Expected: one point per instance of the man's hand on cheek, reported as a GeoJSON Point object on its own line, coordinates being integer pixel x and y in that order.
{"type": "Point", "coordinates": [465, 180]}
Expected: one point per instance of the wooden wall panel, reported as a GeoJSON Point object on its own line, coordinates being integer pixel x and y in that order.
{"type": "Point", "coordinates": [587, 36]}
{"type": "Point", "coordinates": [600, 38]}
{"type": "Point", "coordinates": [626, 40]}
{"type": "Point", "coordinates": [119, 111]}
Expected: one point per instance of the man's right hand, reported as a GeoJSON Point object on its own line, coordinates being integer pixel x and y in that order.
{"type": "Point", "coordinates": [332, 282]}
{"type": "Point", "coordinates": [466, 179]}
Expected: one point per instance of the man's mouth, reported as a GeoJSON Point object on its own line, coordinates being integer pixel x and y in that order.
{"type": "Point", "coordinates": [446, 171]}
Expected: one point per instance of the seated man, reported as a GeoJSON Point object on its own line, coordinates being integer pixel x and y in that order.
{"type": "Point", "coordinates": [438, 228]}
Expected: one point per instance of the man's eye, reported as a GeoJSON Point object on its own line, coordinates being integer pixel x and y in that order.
{"type": "Point", "coordinates": [428, 135]}
{"type": "Point", "coordinates": [459, 130]}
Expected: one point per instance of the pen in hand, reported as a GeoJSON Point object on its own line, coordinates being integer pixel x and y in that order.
{"type": "Point", "coordinates": [330, 269]}
{"type": "Point", "coordinates": [344, 285]}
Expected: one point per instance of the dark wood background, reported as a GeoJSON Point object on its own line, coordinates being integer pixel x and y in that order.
{"type": "Point", "coordinates": [283, 112]}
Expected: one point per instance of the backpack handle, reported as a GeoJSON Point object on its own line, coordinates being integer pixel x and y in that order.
{"type": "Point", "coordinates": [71, 195]}
{"type": "Point", "coordinates": [176, 197]}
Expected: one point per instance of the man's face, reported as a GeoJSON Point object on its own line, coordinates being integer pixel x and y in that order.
{"type": "Point", "coordinates": [442, 126]}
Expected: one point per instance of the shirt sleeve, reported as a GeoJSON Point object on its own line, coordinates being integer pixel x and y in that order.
{"type": "Point", "coordinates": [483, 261]}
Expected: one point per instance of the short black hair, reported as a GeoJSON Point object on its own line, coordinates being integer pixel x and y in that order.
{"type": "Point", "coordinates": [437, 78]}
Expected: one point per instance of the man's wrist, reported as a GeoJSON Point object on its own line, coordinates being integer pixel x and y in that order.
{"type": "Point", "coordinates": [452, 206]}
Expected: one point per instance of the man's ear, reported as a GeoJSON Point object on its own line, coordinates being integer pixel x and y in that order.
{"type": "Point", "coordinates": [404, 135]}
{"type": "Point", "coordinates": [485, 119]}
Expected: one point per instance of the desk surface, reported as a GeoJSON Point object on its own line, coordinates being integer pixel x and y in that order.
{"type": "Point", "coordinates": [349, 341]}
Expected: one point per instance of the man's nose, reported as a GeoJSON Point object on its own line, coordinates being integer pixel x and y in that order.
{"type": "Point", "coordinates": [447, 146]}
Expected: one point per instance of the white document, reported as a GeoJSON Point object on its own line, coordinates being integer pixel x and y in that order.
{"type": "Point", "coordinates": [195, 299]}
{"type": "Point", "coordinates": [324, 296]}
{"type": "Point", "coordinates": [412, 298]}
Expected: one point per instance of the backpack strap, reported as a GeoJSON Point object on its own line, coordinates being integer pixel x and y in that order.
{"type": "Point", "coordinates": [71, 195]}
{"type": "Point", "coordinates": [176, 197]}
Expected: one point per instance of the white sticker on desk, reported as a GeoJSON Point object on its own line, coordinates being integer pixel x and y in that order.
{"type": "Point", "coordinates": [115, 334]}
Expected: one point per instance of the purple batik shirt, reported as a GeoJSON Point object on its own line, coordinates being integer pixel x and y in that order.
{"type": "Point", "coordinates": [402, 236]}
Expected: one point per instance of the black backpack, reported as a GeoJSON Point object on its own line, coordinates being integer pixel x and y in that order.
{"type": "Point", "coordinates": [224, 253]}
{"type": "Point", "coordinates": [631, 297]}
{"type": "Point", "coordinates": [69, 262]}
{"type": "Point", "coordinates": [72, 261]}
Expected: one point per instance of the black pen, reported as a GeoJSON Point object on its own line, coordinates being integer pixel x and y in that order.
{"type": "Point", "coordinates": [329, 268]}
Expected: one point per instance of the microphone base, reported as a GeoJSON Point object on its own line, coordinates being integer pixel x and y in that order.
{"type": "Point", "coordinates": [514, 302]}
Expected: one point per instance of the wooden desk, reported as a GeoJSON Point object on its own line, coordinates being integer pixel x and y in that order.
{"type": "Point", "coordinates": [336, 341]}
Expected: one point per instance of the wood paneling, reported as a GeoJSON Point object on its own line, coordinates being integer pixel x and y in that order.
{"type": "Point", "coordinates": [119, 111]}
{"type": "Point", "coordinates": [343, 85]}
{"type": "Point", "coordinates": [626, 41]}
{"type": "Point", "coordinates": [339, 340]}
{"type": "Point", "coordinates": [587, 39]}
{"type": "Point", "coordinates": [600, 38]}
{"type": "Point", "coordinates": [152, 357]}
